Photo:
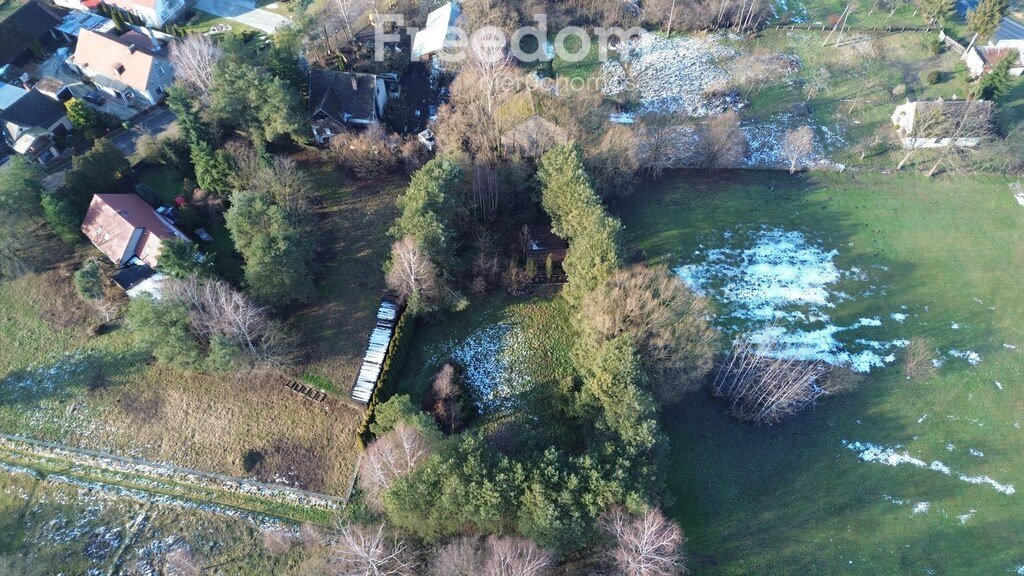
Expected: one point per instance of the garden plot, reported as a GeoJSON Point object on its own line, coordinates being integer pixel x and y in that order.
{"type": "Point", "coordinates": [777, 286]}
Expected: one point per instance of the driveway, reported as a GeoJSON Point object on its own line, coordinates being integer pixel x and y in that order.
{"type": "Point", "coordinates": [244, 13]}
{"type": "Point", "coordinates": [153, 123]}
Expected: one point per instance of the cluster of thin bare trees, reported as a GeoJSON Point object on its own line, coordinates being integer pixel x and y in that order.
{"type": "Point", "coordinates": [764, 385]}
{"type": "Point", "coordinates": [388, 458]}
{"type": "Point", "coordinates": [217, 309]}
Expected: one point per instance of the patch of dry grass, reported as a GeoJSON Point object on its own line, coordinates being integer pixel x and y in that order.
{"type": "Point", "coordinates": [917, 360]}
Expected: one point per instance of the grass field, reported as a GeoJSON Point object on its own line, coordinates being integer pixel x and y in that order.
{"type": "Point", "coordinates": [50, 524]}
{"type": "Point", "coordinates": [793, 499]}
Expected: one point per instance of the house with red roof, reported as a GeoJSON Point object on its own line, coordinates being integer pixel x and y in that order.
{"type": "Point", "coordinates": [127, 229]}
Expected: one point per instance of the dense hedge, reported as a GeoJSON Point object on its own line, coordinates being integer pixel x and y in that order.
{"type": "Point", "coordinates": [387, 382]}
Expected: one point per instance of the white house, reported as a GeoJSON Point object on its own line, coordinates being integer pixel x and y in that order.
{"type": "Point", "coordinates": [155, 13]}
{"type": "Point", "coordinates": [132, 67]}
{"type": "Point", "coordinates": [438, 34]}
{"type": "Point", "coordinates": [935, 124]}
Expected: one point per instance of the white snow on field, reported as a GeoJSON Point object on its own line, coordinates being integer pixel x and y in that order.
{"type": "Point", "coordinates": [921, 507]}
{"type": "Point", "coordinates": [890, 456]}
{"type": "Point", "coordinates": [489, 360]}
{"type": "Point", "coordinates": [778, 287]}
{"type": "Point", "coordinates": [49, 377]}
{"type": "Point", "coordinates": [973, 358]}
{"type": "Point", "coordinates": [670, 75]}
{"type": "Point", "coordinates": [898, 316]}
{"type": "Point", "coordinates": [765, 140]}
{"type": "Point", "coordinates": [976, 452]}
{"type": "Point", "coordinates": [964, 518]}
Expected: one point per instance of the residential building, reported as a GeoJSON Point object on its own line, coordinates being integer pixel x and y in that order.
{"type": "Point", "coordinates": [132, 67]}
{"type": "Point", "coordinates": [127, 229]}
{"type": "Point", "coordinates": [938, 123]}
{"type": "Point", "coordinates": [154, 13]}
{"type": "Point", "coordinates": [32, 124]}
{"type": "Point", "coordinates": [9, 94]}
{"type": "Point", "coordinates": [437, 35]}
{"type": "Point", "coordinates": [26, 32]}
{"type": "Point", "coordinates": [340, 100]}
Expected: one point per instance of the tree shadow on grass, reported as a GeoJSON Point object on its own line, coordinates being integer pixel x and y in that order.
{"type": "Point", "coordinates": [70, 375]}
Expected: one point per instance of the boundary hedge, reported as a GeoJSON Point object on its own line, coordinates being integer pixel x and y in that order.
{"type": "Point", "coordinates": [387, 383]}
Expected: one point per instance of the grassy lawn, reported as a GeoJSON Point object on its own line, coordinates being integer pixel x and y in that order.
{"type": "Point", "coordinates": [792, 499]}
{"type": "Point", "coordinates": [203, 21]}
{"type": "Point", "coordinates": [352, 248]}
{"type": "Point", "coordinates": [73, 528]}
{"type": "Point", "coordinates": [7, 7]}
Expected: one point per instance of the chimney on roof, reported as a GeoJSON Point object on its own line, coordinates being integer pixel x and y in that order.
{"type": "Point", "coordinates": [355, 83]}
{"type": "Point", "coordinates": [131, 48]}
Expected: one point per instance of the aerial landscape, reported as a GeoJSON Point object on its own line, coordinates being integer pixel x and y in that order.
{"type": "Point", "coordinates": [544, 287]}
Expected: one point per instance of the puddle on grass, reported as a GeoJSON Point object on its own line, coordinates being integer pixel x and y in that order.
{"type": "Point", "coordinates": [776, 285]}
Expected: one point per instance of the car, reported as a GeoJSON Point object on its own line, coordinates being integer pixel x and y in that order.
{"type": "Point", "coordinates": [94, 98]}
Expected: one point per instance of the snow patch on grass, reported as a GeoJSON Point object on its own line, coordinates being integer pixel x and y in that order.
{"type": "Point", "coordinates": [778, 286]}
{"type": "Point", "coordinates": [490, 358]}
{"type": "Point", "coordinates": [964, 518]}
{"type": "Point", "coordinates": [921, 507]}
{"type": "Point", "coordinates": [890, 456]}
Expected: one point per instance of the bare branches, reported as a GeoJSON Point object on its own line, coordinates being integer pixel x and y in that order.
{"type": "Point", "coordinates": [460, 557]}
{"type": "Point", "coordinates": [764, 386]}
{"type": "Point", "coordinates": [412, 274]}
{"type": "Point", "coordinates": [507, 556]}
{"type": "Point", "coordinates": [666, 321]}
{"type": "Point", "coordinates": [648, 545]}
{"type": "Point", "coordinates": [388, 458]}
{"type": "Point", "coordinates": [724, 143]}
{"type": "Point", "coordinates": [369, 551]}
{"type": "Point", "coordinates": [798, 145]}
{"type": "Point", "coordinates": [215, 308]}
{"type": "Point", "coordinates": [193, 59]}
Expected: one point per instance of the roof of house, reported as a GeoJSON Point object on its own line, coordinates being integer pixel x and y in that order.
{"type": "Point", "coordinates": [9, 94]}
{"type": "Point", "coordinates": [117, 58]}
{"type": "Point", "coordinates": [433, 36]}
{"type": "Point", "coordinates": [112, 220]}
{"type": "Point", "coordinates": [73, 23]}
{"type": "Point", "coordinates": [131, 4]}
{"type": "Point", "coordinates": [1009, 29]}
{"type": "Point", "coordinates": [991, 55]}
{"type": "Point", "coordinates": [33, 109]}
{"type": "Point", "coordinates": [342, 95]}
{"type": "Point", "coordinates": [24, 26]}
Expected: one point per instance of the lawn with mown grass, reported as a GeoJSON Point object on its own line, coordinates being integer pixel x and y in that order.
{"type": "Point", "coordinates": [792, 499]}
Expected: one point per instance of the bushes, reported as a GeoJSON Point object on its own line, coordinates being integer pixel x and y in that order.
{"type": "Point", "coordinates": [931, 77]}
{"type": "Point", "coordinates": [387, 383]}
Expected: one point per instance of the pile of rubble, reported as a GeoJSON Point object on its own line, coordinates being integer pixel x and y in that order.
{"type": "Point", "coordinates": [671, 75]}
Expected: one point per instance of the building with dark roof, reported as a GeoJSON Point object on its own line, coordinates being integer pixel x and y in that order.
{"type": "Point", "coordinates": [25, 31]}
{"type": "Point", "coordinates": [31, 124]}
{"type": "Point", "coordinates": [340, 100]}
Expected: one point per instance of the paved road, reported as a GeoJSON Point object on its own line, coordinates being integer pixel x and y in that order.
{"type": "Point", "coordinates": [244, 13]}
{"type": "Point", "coordinates": [155, 122]}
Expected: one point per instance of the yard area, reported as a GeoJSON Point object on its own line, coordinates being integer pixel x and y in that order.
{"type": "Point", "coordinates": [50, 522]}
{"type": "Point", "coordinates": [939, 259]}
{"type": "Point", "coordinates": [64, 384]}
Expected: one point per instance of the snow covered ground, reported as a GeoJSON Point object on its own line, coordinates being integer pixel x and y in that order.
{"type": "Point", "coordinates": [765, 143]}
{"type": "Point", "coordinates": [891, 456]}
{"type": "Point", "coordinates": [776, 285]}
{"type": "Point", "coordinates": [490, 358]}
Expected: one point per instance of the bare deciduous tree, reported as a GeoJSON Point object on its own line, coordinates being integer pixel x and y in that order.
{"type": "Point", "coordinates": [369, 551]}
{"type": "Point", "coordinates": [413, 275]}
{"type": "Point", "coordinates": [279, 177]}
{"type": "Point", "coordinates": [665, 142]}
{"type": "Point", "coordinates": [217, 308]}
{"type": "Point", "coordinates": [371, 154]}
{"type": "Point", "coordinates": [763, 385]}
{"type": "Point", "coordinates": [388, 458]}
{"type": "Point", "coordinates": [798, 145]}
{"type": "Point", "coordinates": [193, 59]}
{"type": "Point", "coordinates": [666, 321]}
{"type": "Point", "coordinates": [648, 545]}
{"type": "Point", "coordinates": [509, 556]}
{"type": "Point", "coordinates": [723, 141]}
{"type": "Point", "coordinates": [460, 557]}
{"type": "Point", "coordinates": [443, 399]}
